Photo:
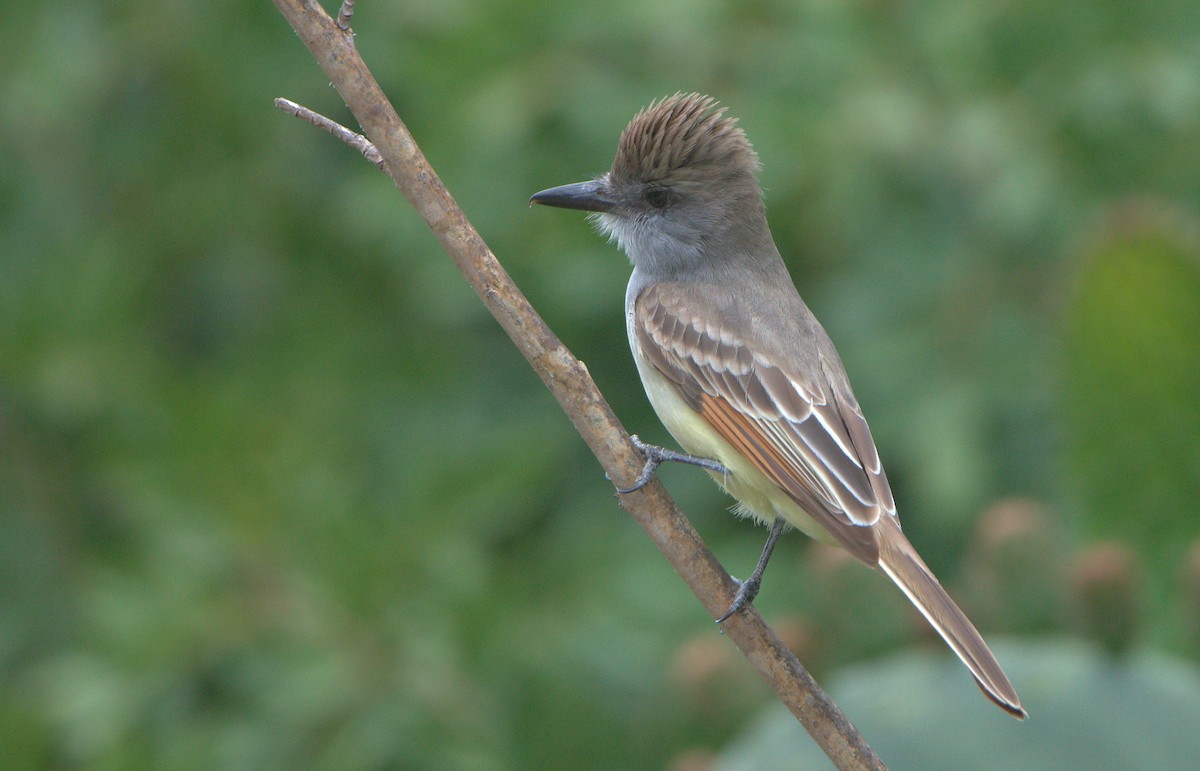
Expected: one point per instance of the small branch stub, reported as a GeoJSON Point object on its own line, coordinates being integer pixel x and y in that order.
{"type": "Point", "coordinates": [344, 15]}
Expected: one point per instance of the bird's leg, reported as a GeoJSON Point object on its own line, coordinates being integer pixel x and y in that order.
{"type": "Point", "coordinates": [656, 456]}
{"type": "Point", "coordinates": [748, 589]}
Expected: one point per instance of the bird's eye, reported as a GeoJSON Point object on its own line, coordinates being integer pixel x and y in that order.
{"type": "Point", "coordinates": [658, 197]}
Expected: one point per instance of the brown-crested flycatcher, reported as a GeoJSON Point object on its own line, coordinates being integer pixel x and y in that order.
{"type": "Point", "coordinates": [737, 367]}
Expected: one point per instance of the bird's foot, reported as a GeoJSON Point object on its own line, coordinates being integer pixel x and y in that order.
{"type": "Point", "coordinates": [656, 456]}
{"type": "Point", "coordinates": [747, 591]}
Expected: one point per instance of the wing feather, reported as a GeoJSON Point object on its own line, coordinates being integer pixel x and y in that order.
{"type": "Point", "coordinates": [793, 426]}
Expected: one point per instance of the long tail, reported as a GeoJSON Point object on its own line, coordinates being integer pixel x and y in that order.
{"type": "Point", "coordinates": [900, 561]}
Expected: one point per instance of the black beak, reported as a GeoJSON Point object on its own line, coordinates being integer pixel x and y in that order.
{"type": "Point", "coordinates": [587, 196]}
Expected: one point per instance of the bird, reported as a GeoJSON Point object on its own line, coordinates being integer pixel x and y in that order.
{"type": "Point", "coordinates": [738, 368]}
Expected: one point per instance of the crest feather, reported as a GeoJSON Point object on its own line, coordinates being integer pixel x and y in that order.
{"type": "Point", "coordinates": [681, 133]}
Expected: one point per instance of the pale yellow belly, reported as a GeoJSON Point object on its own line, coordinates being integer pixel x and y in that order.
{"type": "Point", "coordinates": [757, 495]}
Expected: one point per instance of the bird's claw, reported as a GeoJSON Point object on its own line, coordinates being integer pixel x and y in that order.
{"type": "Point", "coordinates": [747, 591]}
{"type": "Point", "coordinates": [656, 456]}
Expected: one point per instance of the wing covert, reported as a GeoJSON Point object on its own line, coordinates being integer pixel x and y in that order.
{"type": "Point", "coordinates": [791, 425]}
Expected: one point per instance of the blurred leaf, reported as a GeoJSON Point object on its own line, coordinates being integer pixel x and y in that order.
{"type": "Point", "coordinates": [920, 710]}
{"type": "Point", "coordinates": [1130, 392]}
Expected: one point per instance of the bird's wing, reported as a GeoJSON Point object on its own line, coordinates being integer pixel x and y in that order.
{"type": "Point", "coordinates": [793, 426]}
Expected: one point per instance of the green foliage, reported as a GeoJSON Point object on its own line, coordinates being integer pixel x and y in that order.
{"type": "Point", "coordinates": [276, 492]}
{"type": "Point", "coordinates": [1132, 375]}
{"type": "Point", "coordinates": [1131, 386]}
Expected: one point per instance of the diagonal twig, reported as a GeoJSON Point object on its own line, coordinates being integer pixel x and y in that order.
{"type": "Point", "coordinates": [334, 129]}
{"type": "Point", "coordinates": [566, 378]}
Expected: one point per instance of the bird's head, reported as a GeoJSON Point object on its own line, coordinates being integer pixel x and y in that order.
{"type": "Point", "coordinates": [683, 182]}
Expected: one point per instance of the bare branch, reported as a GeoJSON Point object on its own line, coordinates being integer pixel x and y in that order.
{"type": "Point", "coordinates": [357, 141]}
{"type": "Point", "coordinates": [568, 380]}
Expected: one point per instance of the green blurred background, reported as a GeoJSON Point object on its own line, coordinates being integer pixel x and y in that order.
{"type": "Point", "coordinates": [276, 492]}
